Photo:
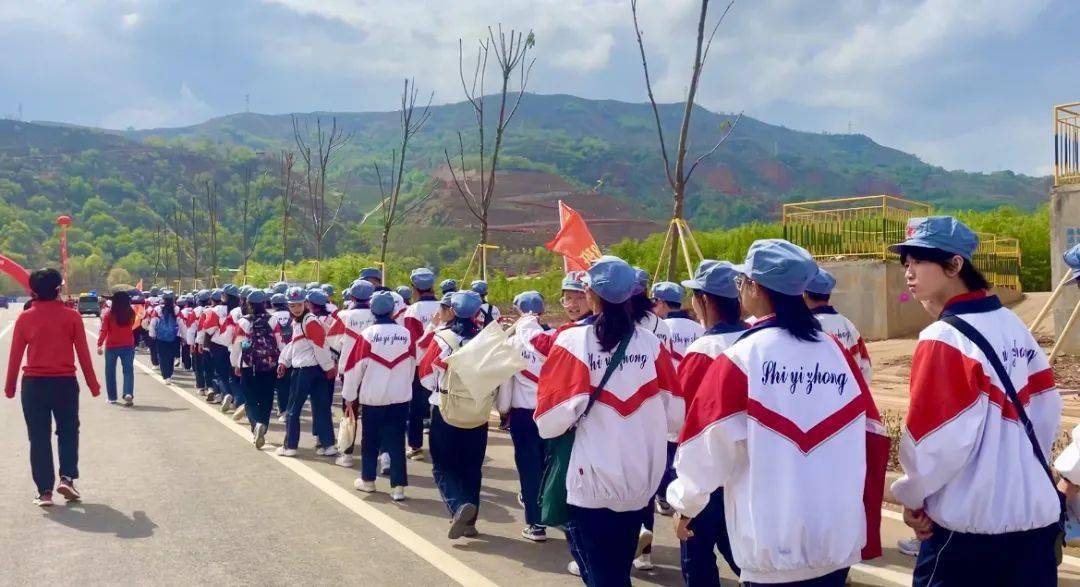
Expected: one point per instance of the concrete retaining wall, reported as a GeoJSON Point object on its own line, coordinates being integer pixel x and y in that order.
{"type": "Point", "coordinates": [1064, 233]}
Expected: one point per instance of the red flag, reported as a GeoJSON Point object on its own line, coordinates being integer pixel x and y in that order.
{"type": "Point", "coordinates": [16, 272]}
{"type": "Point", "coordinates": [574, 241]}
{"type": "Point", "coordinates": [138, 286]}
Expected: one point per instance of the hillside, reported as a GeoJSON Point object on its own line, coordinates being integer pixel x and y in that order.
{"type": "Point", "coordinates": [614, 144]}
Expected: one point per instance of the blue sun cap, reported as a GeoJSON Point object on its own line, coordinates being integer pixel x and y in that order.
{"type": "Point", "coordinates": [822, 283]}
{"type": "Point", "coordinates": [667, 291]}
{"type": "Point", "coordinates": [448, 286]}
{"type": "Point", "coordinates": [466, 304]}
{"type": "Point", "coordinates": [529, 302]}
{"type": "Point", "coordinates": [944, 233]}
{"type": "Point", "coordinates": [317, 297]}
{"type": "Point", "coordinates": [422, 278]}
{"type": "Point", "coordinates": [779, 265]}
{"type": "Point", "coordinates": [479, 286]}
{"type": "Point", "coordinates": [714, 277]}
{"type": "Point", "coordinates": [382, 303]}
{"type": "Point", "coordinates": [257, 296]}
{"type": "Point", "coordinates": [370, 273]}
{"type": "Point", "coordinates": [613, 279]}
{"type": "Point", "coordinates": [574, 281]}
{"type": "Point", "coordinates": [295, 295]}
{"type": "Point", "coordinates": [362, 290]}
{"type": "Point", "coordinates": [1072, 259]}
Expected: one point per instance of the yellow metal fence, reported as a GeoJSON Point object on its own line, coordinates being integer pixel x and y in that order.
{"type": "Point", "coordinates": [1067, 144]}
{"type": "Point", "coordinates": [864, 227]}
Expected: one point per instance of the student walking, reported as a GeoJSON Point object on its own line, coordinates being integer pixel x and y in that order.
{"type": "Point", "coordinates": [417, 318]}
{"type": "Point", "coordinates": [116, 340]}
{"type": "Point", "coordinates": [313, 372]}
{"type": "Point", "coordinates": [782, 423]}
{"type": "Point", "coordinates": [618, 455]}
{"type": "Point", "coordinates": [50, 335]}
{"type": "Point", "coordinates": [165, 330]}
{"type": "Point", "coordinates": [254, 357]}
{"type": "Point", "coordinates": [457, 454]}
{"type": "Point", "coordinates": [976, 488]}
{"type": "Point", "coordinates": [378, 375]}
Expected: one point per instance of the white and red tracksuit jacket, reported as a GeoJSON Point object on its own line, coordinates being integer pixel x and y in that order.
{"type": "Point", "coordinates": [209, 322]}
{"type": "Point", "coordinates": [699, 356]}
{"type": "Point", "coordinates": [347, 328]}
{"type": "Point", "coordinates": [543, 340]}
{"type": "Point", "coordinates": [308, 345]}
{"type": "Point", "coordinates": [620, 448]}
{"type": "Point", "coordinates": [417, 317]}
{"type": "Point", "coordinates": [279, 320]}
{"type": "Point", "coordinates": [432, 366]}
{"type": "Point", "coordinates": [380, 367]}
{"type": "Point", "coordinates": [844, 330]}
{"type": "Point", "coordinates": [520, 390]}
{"type": "Point", "coordinates": [682, 331]}
{"type": "Point", "coordinates": [790, 431]}
{"type": "Point", "coordinates": [189, 325]}
{"type": "Point", "coordinates": [241, 333]}
{"type": "Point", "coordinates": [219, 326]}
{"type": "Point", "coordinates": [966, 458]}
{"type": "Point", "coordinates": [658, 327]}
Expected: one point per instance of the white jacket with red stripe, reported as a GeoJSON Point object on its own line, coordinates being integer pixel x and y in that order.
{"type": "Point", "coordinates": [966, 458]}
{"type": "Point", "coordinates": [220, 330]}
{"type": "Point", "coordinates": [682, 331]}
{"type": "Point", "coordinates": [432, 368]}
{"type": "Point", "coordinates": [700, 355]}
{"type": "Point", "coordinates": [380, 366]}
{"type": "Point", "coordinates": [189, 321]}
{"type": "Point", "coordinates": [620, 447]}
{"type": "Point", "coordinates": [345, 331]}
{"type": "Point", "coordinates": [417, 317]}
{"type": "Point", "coordinates": [308, 346]}
{"type": "Point", "coordinates": [786, 428]}
{"type": "Point", "coordinates": [844, 330]}
{"type": "Point", "coordinates": [520, 390]}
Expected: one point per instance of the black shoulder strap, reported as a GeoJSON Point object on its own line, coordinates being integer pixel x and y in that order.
{"type": "Point", "coordinates": [616, 360]}
{"type": "Point", "coordinates": [987, 349]}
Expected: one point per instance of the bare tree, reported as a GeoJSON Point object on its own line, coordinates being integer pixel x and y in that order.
{"type": "Point", "coordinates": [176, 233]}
{"type": "Point", "coordinates": [411, 124]}
{"type": "Point", "coordinates": [287, 193]}
{"type": "Point", "coordinates": [318, 151]}
{"type": "Point", "coordinates": [678, 175]}
{"type": "Point", "coordinates": [195, 238]}
{"type": "Point", "coordinates": [251, 215]}
{"type": "Point", "coordinates": [210, 188]}
{"type": "Point", "coordinates": [511, 52]}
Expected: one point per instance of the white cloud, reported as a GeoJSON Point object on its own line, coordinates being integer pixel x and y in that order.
{"type": "Point", "coordinates": [186, 108]}
{"type": "Point", "coordinates": [130, 20]}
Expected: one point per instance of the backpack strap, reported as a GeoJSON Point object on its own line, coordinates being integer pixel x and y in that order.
{"type": "Point", "coordinates": [987, 349]}
{"type": "Point", "coordinates": [616, 360]}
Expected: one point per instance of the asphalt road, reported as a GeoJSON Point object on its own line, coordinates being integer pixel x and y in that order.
{"type": "Point", "coordinates": [175, 493]}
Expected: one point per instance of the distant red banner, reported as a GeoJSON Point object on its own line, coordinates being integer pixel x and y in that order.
{"type": "Point", "coordinates": [15, 271]}
{"type": "Point", "coordinates": [574, 241]}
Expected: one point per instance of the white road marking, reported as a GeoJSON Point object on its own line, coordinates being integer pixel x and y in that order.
{"type": "Point", "coordinates": [441, 560]}
{"type": "Point", "coordinates": [6, 329]}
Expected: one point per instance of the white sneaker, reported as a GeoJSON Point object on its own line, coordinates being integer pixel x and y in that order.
{"type": "Point", "coordinates": [384, 464]}
{"type": "Point", "coordinates": [644, 541]}
{"type": "Point", "coordinates": [909, 547]}
{"type": "Point", "coordinates": [330, 451]}
{"type": "Point", "coordinates": [167, 380]}
{"type": "Point", "coordinates": [365, 486]}
{"type": "Point", "coordinates": [320, 451]}
{"type": "Point", "coordinates": [258, 436]}
{"type": "Point", "coordinates": [285, 452]}
{"type": "Point", "coordinates": [415, 454]}
{"type": "Point", "coordinates": [344, 460]}
{"type": "Point", "coordinates": [397, 493]}
{"type": "Point", "coordinates": [227, 403]}
{"type": "Point", "coordinates": [129, 401]}
{"type": "Point", "coordinates": [572, 568]}
{"type": "Point", "coordinates": [281, 419]}
{"type": "Point", "coordinates": [644, 563]}
{"type": "Point", "coordinates": [240, 412]}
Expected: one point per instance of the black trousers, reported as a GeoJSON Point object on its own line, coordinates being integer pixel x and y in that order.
{"type": "Point", "coordinates": [1015, 558]}
{"type": "Point", "coordinates": [419, 410]}
{"type": "Point", "coordinates": [185, 355]}
{"type": "Point", "coordinates": [45, 399]}
{"type": "Point", "coordinates": [259, 392]}
{"type": "Point", "coordinates": [152, 344]}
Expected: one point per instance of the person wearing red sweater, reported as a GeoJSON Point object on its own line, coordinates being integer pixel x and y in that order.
{"type": "Point", "coordinates": [50, 335]}
{"type": "Point", "coordinates": [117, 338]}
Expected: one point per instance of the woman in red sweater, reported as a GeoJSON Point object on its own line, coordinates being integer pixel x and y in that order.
{"type": "Point", "coordinates": [118, 340]}
{"type": "Point", "coordinates": [50, 334]}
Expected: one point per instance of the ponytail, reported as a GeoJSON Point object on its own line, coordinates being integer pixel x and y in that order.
{"type": "Point", "coordinates": [466, 328]}
{"type": "Point", "coordinates": [793, 315]}
{"type": "Point", "coordinates": [614, 323]}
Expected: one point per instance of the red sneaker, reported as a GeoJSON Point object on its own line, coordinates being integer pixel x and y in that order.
{"type": "Point", "coordinates": [67, 489]}
{"type": "Point", "coordinates": [44, 500]}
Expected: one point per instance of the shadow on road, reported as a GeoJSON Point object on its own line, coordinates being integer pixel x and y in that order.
{"type": "Point", "coordinates": [146, 408]}
{"type": "Point", "coordinates": [100, 518]}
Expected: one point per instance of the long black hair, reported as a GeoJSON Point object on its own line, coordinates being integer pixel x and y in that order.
{"type": "Point", "coordinates": [729, 308]}
{"type": "Point", "coordinates": [121, 308]}
{"type": "Point", "coordinates": [614, 323]}
{"type": "Point", "coordinates": [973, 279]}
{"type": "Point", "coordinates": [257, 308]}
{"type": "Point", "coordinates": [793, 315]}
{"type": "Point", "coordinates": [231, 301]}
{"type": "Point", "coordinates": [466, 328]}
{"type": "Point", "coordinates": [169, 306]}
{"type": "Point", "coordinates": [640, 305]}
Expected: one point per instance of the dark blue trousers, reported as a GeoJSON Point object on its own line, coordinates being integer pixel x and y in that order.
{"type": "Point", "coordinates": [1015, 558]}
{"type": "Point", "coordinates": [833, 579]}
{"type": "Point", "coordinates": [204, 371]}
{"type": "Point", "coordinates": [259, 392]}
{"type": "Point", "coordinates": [383, 428]}
{"type": "Point", "coordinates": [419, 409]}
{"type": "Point", "coordinates": [43, 400]}
{"type": "Point", "coordinates": [603, 544]}
{"type": "Point", "coordinates": [699, 552]}
{"type": "Point", "coordinates": [457, 459]}
{"type": "Point", "coordinates": [649, 513]}
{"type": "Point", "coordinates": [529, 459]}
{"type": "Point", "coordinates": [309, 382]}
{"type": "Point", "coordinates": [282, 387]}
{"type": "Point", "coordinates": [167, 352]}
{"type": "Point", "coordinates": [226, 382]}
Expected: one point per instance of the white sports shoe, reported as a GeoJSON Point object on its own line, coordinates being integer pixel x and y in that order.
{"type": "Point", "coordinates": [365, 486]}
{"type": "Point", "coordinates": [644, 541]}
{"type": "Point", "coordinates": [644, 562]}
{"type": "Point", "coordinates": [330, 451]}
{"type": "Point", "coordinates": [344, 460]}
{"type": "Point", "coordinates": [572, 568]}
{"type": "Point", "coordinates": [227, 403]}
{"type": "Point", "coordinates": [909, 547]}
{"type": "Point", "coordinates": [240, 412]}
{"type": "Point", "coordinates": [129, 401]}
{"type": "Point", "coordinates": [285, 452]}
{"type": "Point", "coordinates": [258, 436]}
{"type": "Point", "coordinates": [384, 464]}
{"type": "Point", "coordinates": [397, 493]}
{"type": "Point", "coordinates": [281, 419]}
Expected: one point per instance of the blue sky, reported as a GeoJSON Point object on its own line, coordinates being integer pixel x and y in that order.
{"type": "Point", "coordinates": [966, 84]}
